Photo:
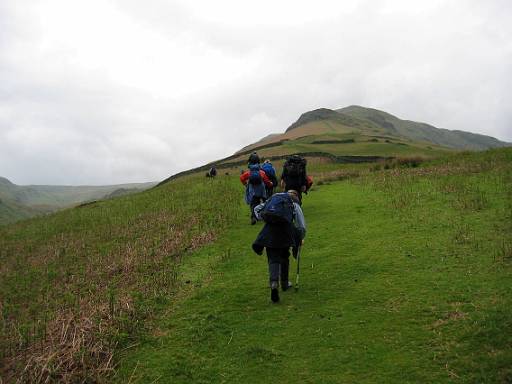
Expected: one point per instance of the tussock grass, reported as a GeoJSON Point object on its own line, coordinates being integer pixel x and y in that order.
{"type": "Point", "coordinates": [405, 277]}
{"type": "Point", "coordinates": [78, 286]}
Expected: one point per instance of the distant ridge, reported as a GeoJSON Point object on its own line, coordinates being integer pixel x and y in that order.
{"type": "Point", "coordinates": [23, 201]}
{"type": "Point", "coordinates": [423, 132]}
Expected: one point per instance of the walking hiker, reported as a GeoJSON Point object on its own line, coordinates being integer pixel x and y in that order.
{"type": "Point", "coordinates": [254, 159]}
{"type": "Point", "coordinates": [284, 228]}
{"type": "Point", "coordinates": [256, 182]}
{"type": "Point", "coordinates": [212, 172]}
{"type": "Point", "coordinates": [294, 176]}
{"type": "Point", "coordinates": [271, 173]}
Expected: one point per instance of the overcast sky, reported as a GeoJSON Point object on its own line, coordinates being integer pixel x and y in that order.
{"type": "Point", "coordinates": [114, 91]}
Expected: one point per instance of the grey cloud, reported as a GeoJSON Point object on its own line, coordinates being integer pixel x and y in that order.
{"type": "Point", "coordinates": [448, 67]}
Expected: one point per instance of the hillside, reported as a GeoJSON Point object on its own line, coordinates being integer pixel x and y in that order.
{"type": "Point", "coordinates": [11, 212]}
{"type": "Point", "coordinates": [421, 131]}
{"type": "Point", "coordinates": [353, 135]}
{"type": "Point", "coordinates": [371, 132]}
{"type": "Point", "coordinates": [19, 202]}
{"type": "Point", "coordinates": [405, 277]}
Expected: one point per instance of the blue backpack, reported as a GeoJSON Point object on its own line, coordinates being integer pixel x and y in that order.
{"type": "Point", "coordinates": [278, 209]}
{"type": "Point", "coordinates": [254, 175]}
{"type": "Point", "coordinates": [269, 170]}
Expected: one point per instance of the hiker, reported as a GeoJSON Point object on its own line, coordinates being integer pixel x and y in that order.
{"type": "Point", "coordinates": [294, 176]}
{"type": "Point", "coordinates": [284, 227]}
{"type": "Point", "coordinates": [253, 159]}
{"type": "Point", "coordinates": [212, 172]}
{"type": "Point", "coordinates": [271, 173]}
{"type": "Point", "coordinates": [256, 181]}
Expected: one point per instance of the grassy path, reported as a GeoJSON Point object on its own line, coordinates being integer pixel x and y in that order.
{"type": "Point", "coordinates": [380, 301]}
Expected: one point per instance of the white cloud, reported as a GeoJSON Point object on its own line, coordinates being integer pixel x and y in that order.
{"type": "Point", "coordinates": [116, 91]}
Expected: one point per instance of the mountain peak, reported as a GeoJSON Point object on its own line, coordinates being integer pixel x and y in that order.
{"type": "Point", "coordinates": [314, 115]}
{"type": "Point", "coordinates": [356, 118]}
{"type": "Point", "coordinates": [324, 114]}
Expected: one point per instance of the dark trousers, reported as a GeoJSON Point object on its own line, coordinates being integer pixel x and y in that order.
{"type": "Point", "coordinates": [256, 200]}
{"type": "Point", "coordinates": [270, 190]}
{"type": "Point", "coordinates": [278, 264]}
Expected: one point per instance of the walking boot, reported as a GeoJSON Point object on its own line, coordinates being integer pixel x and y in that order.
{"type": "Point", "coordinates": [274, 291]}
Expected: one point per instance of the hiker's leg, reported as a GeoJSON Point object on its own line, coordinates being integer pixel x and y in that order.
{"type": "Point", "coordinates": [274, 262]}
{"type": "Point", "coordinates": [254, 202]}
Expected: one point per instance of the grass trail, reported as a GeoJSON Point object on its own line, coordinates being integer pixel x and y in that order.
{"type": "Point", "coordinates": [394, 288]}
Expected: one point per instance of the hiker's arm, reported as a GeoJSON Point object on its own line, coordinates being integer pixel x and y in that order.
{"type": "Point", "coordinates": [257, 211]}
{"type": "Point", "coordinates": [265, 178]}
{"type": "Point", "coordinates": [244, 177]}
{"type": "Point", "coordinates": [300, 221]}
{"type": "Point", "coordinates": [309, 182]}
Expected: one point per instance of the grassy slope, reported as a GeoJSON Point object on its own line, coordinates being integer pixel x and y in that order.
{"type": "Point", "coordinates": [60, 196]}
{"type": "Point", "coordinates": [361, 147]}
{"type": "Point", "coordinates": [11, 212]}
{"type": "Point", "coordinates": [369, 305]}
{"type": "Point", "coordinates": [20, 202]}
{"type": "Point", "coordinates": [367, 121]}
{"type": "Point", "coordinates": [405, 278]}
{"type": "Point", "coordinates": [101, 270]}
{"type": "Point", "coordinates": [423, 132]}
{"type": "Point", "coordinates": [323, 127]}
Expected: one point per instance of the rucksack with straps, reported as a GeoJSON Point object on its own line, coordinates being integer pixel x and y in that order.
{"type": "Point", "coordinates": [278, 209]}
{"type": "Point", "coordinates": [254, 174]}
{"type": "Point", "coordinates": [269, 170]}
{"type": "Point", "coordinates": [294, 172]}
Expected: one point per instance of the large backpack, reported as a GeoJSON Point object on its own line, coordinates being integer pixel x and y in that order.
{"type": "Point", "coordinates": [278, 209]}
{"type": "Point", "coordinates": [269, 170]}
{"type": "Point", "coordinates": [254, 174]}
{"type": "Point", "coordinates": [294, 172]}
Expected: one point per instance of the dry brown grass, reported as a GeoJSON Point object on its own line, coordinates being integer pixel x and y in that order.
{"type": "Point", "coordinates": [337, 175]}
{"type": "Point", "coordinates": [71, 350]}
{"type": "Point", "coordinates": [79, 286]}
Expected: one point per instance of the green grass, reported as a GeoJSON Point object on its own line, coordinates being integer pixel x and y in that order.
{"type": "Point", "coordinates": [19, 202]}
{"type": "Point", "coordinates": [11, 212]}
{"type": "Point", "coordinates": [406, 277]}
{"type": "Point", "coordinates": [363, 146]}
{"type": "Point", "coordinates": [370, 149]}
{"type": "Point", "coordinates": [100, 272]}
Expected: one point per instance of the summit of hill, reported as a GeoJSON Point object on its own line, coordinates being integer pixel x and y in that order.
{"type": "Point", "coordinates": [355, 134]}
{"type": "Point", "coordinates": [371, 121]}
{"type": "Point", "coordinates": [418, 131]}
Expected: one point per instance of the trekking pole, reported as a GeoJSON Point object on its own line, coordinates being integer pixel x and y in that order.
{"type": "Point", "coordinates": [298, 269]}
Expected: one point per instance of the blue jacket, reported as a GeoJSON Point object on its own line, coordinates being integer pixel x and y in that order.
{"type": "Point", "coordinates": [269, 170]}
